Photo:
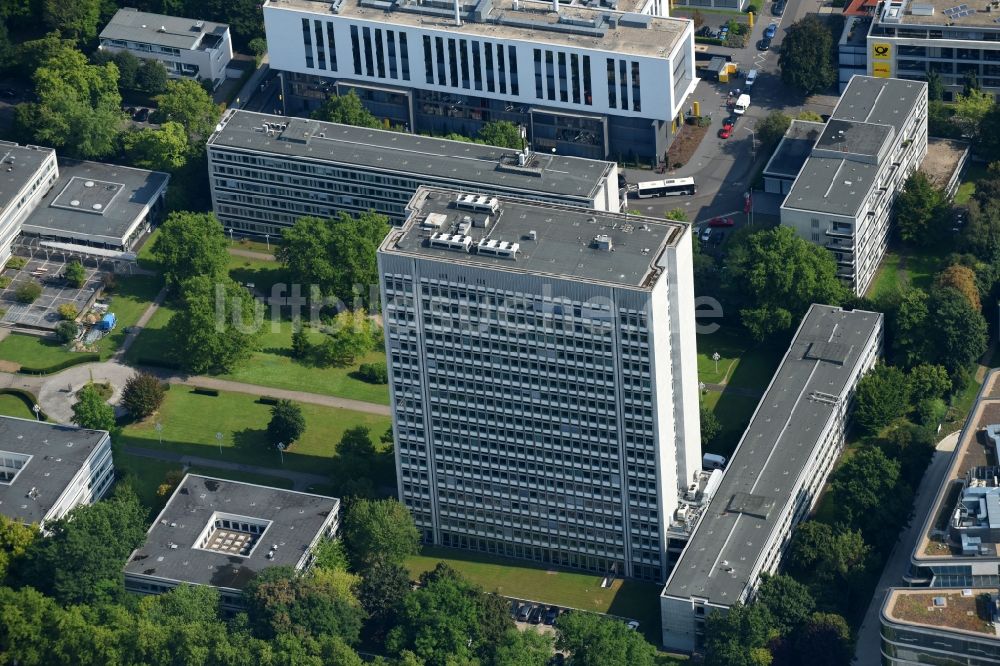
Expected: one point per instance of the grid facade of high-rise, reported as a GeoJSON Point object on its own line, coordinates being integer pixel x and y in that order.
{"type": "Point", "coordinates": [543, 379]}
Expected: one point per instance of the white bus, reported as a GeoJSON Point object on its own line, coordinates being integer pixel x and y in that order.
{"type": "Point", "coordinates": [666, 188]}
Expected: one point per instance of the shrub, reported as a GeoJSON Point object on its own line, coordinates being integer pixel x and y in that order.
{"type": "Point", "coordinates": [75, 274]}
{"type": "Point", "coordinates": [753, 7]}
{"type": "Point", "coordinates": [199, 390]}
{"type": "Point", "coordinates": [142, 395]}
{"type": "Point", "coordinates": [109, 281]}
{"type": "Point", "coordinates": [68, 311]}
{"type": "Point", "coordinates": [77, 359]}
{"type": "Point", "coordinates": [267, 400]}
{"type": "Point", "coordinates": [17, 263]}
{"type": "Point", "coordinates": [374, 373]}
{"type": "Point", "coordinates": [28, 292]}
{"type": "Point", "coordinates": [66, 331]}
{"type": "Point", "coordinates": [4, 281]}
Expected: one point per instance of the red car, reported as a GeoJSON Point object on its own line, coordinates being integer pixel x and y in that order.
{"type": "Point", "coordinates": [727, 129]}
{"type": "Point", "coordinates": [721, 222]}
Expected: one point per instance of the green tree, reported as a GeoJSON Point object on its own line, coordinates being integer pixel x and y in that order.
{"type": "Point", "coordinates": [8, 54]}
{"type": "Point", "coordinates": [677, 214]}
{"type": "Point", "coordinates": [770, 130]}
{"type": "Point", "coordinates": [216, 326]}
{"type": "Point", "coordinates": [941, 122]}
{"type": "Point", "coordinates": [163, 149]}
{"type": "Point", "coordinates": [82, 557]}
{"type": "Point", "coordinates": [502, 133]}
{"type": "Point", "coordinates": [777, 276]}
{"type": "Point", "coordinates": [710, 426]}
{"type": "Point", "coordinates": [523, 648]}
{"type": "Point", "coordinates": [931, 411]}
{"type": "Point", "coordinates": [981, 236]}
{"type": "Point", "coordinates": [75, 274]}
{"type": "Point", "coordinates": [963, 280]}
{"type": "Point", "coordinates": [958, 334]}
{"type": "Point", "coordinates": [739, 637]}
{"type": "Point", "coordinates": [28, 292]}
{"type": "Point", "coordinates": [867, 491]}
{"type": "Point", "coordinates": [383, 587]}
{"type": "Point", "coordinates": [935, 87]}
{"type": "Point", "coordinates": [970, 110]}
{"type": "Point", "coordinates": [72, 18]}
{"type": "Point", "coordinates": [788, 601]}
{"type": "Point", "coordinates": [357, 457]}
{"type": "Point", "coordinates": [258, 47]}
{"type": "Point", "coordinates": [142, 395]}
{"type": "Point", "coordinates": [824, 640]}
{"type": "Point", "coordinates": [347, 109]}
{"type": "Point", "coordinates": [79, 107]}
{"type": "Point", "coordinates": [128, 66]}
{"type": "Point", "coordinates": [921, 211]}
{"type": "Point", "coordinates": [882, 396]}
{"type": "Point", "coordinates": [831, 559]}
{"type": "Point", "coordinates": [353, 334]}
{"type": "Point", "coordinates": [929, 382]}
{"type": "Point", "coordinates": [810, 116]}
{"type": "Point", "coordinates": [66, 330]}
{"type": "Point", "coordinates": [91, 410]}
{"type": "Point", "coordinates": [908, 320]}
{"type": "Point", "coordinates": [595, 640]}
{"type": "Point", "coordinates": [379, 530]}
{"type": "Point", "coordinates": [187, 103]}
{"type": "Point", "coordinates": [301, 347]}
{"type": "Point", "coordinates": [151, 77]}
{"type": "Point", "coordinates": [989, 142]}
{"type": "Point", "coordinates": [15, 540]}
{"type": "Point", "coordinates": [287, 423]}
{"type": "Point", "coordinates": [191, 245]}
{"type": "Point", "coordinates": [805, 56]}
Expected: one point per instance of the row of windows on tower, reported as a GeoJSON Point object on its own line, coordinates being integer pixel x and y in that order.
{"type": "Point", "coordinates": [462, 63]}
{"type": "Point", "coordinates": [573, 80]}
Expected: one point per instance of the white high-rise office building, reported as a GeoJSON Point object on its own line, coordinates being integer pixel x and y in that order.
{"type": "Point", "coordinates": [543, 378]}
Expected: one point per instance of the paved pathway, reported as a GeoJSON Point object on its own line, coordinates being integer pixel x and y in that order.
{"type": "Point", "coordinates": [868, 648]}
{"type": "Point", "coordinates": [300, 480]}
{"type": "Point", "coordinates": [251, 254]}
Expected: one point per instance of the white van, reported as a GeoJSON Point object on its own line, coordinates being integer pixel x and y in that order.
{"type": "Point", "coordinates": [712, 461]}
{"type": "Point", "coordinates": [742, 104]}
{"type": "Point", "coordinates": [751, 77]}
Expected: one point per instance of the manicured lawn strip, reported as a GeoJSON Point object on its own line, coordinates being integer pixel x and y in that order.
{"type": "Point", "coordinates": [190, 422]}
{"type": "Point", "coordinates": [245, 477]}
{"type": "Point", "coordinates": [32, 350]}
{"type": "Point", "coordinates": [730, 347]}
{"type": "Point", "coordinates": [514, 578]}
{"type": "Point", "coordinates": [145, 254]}
{"type": "Point", "coordinates": [11, 405]}
{"type": "Point", "coordinates": [888, 279]}
{"type": "Point", "coordinates": [922, 267]}
{"type": "Point", "coordinates": [152, 344]}
{"type": "Point", "coordinates": [255, 245]}
{"type": "Point", "coordinates": [973, 172]}
{"type": "Point", "coordinates": [262, 274]}
{"type": "Point", "coordinates": [733, 412]}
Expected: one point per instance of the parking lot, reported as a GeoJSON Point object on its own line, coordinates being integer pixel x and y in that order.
{"type": "Point", "coordinates": [43, 312]}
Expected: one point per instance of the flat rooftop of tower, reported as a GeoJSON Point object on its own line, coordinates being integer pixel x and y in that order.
{"type": "Point", "coordinates": [516, 235]}
{"type": "Point", "coordinates": [974, 452]}
{"type": "Point", "coordinates": [96, 202]}
{"type": "Point", "coordinates": [795, 146]}
{"type": "Point", "coordinates": [606, 25]}
{"type": "Point", "coordinates": [468, 165]}
{"type": "Point", "coordinates": [38, 461]}
{"type": "Point", "coordinates": [728, 542]}
{"type": "Point", "coordinates": [957, 14]}
{"type": "Point", "coordinates": [967, 610]}
{"type": "Point", "coordinates": [129, 24]}
{"type": "Point", "coordinates": [18, 166]}
{"type": "Point", "coordinates": [223, 533]}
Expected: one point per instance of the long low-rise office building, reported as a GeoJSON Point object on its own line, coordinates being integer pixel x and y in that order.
{"type": "Point", "coordinates": [774, 477]}
{"type": "Point", "coordinates": [842, 197]}
{"type": "Point", "coordinates": [26, 174]}
{"type": "Point", "coordinates": [268, 171]}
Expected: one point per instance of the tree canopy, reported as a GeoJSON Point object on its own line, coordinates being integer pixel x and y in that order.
{"type": "Point", "coordinates": [191, 245]}
{"type": "Point", "coordinates": [595, 640]}
{"type": "Point", "coordinates": [883, 395]}
{"type": "Point", "coordinates": [963, 280]}
{"type": "Point", "coordinates": [143, 394]}
{"type": "Point", "coordinates": [348, 110]}
{"type": "Point", "coordinates": [970, 110]}
{"type": "Point", "coordinates": [185, 102]}
{"type": "Point", "coordinates": [502, 133]}
{"type": "Point", "coordinates": [287, 423]}
{"type": "Point", "coordinates": [92, 411]}
{"type": "Point", "coordinates": [379, 530]}
{"type": "Point", "coordinates": [956, 331]}
{"type": "Point", "coordinates": [806, 56]}
{"type": "Point", "coordinates": [163, 149]}
{"type": "Point", "coordinates": [771, 128]}
{"type": "Point", "coordinates": [921, 211]}
{"type": "Point", "coordinates": [72, 18]}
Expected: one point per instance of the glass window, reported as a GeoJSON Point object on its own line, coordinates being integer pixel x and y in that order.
{"type": "Point", "coordinates": [477, 73]}
{"type": "Point", "coordinates": [404, 55]}
{"type": "Point", "coordinates": [490, 80]}
{"type": "Point", "coordinates": [331, 46]}
{"type": "Point", "coordinates": [390, 40]}
{"type": "Point", "coordinates": [428, 60]}
{"type": "Point", "coordinates": [612, 96]}
{"type": "Point", "coordinates": [356, 49]}
{"type": "Point", "coordinates": [563, 79]}
{"type": "Point", "coordinates": [307, 42]}
{"type": "Point", "coordinates": [463, 47]}
{"type": "Point", "coordinates": [538, 74]}
{"type": "Point", "coordinates": [453, 62]}
{"type": "Point", "coordinates": [320, 52]}
{"type": "Point", "coordinates": [379, 55]}
{"type": "Point", "coordinates": [366, 34]}
{"type": "Point", "coordinates": [574, 66]}
{"type": "Point", "coordinates": [512, 58]}
{"type": "Point", "coordinates": [636, 101]}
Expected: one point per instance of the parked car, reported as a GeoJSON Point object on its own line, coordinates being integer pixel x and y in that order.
{"type": "Point", "coordinates": [727, 129]}
{"type": "Point", "coordinates": [141, 114]}
{"type": "Point", "coordinates": [778, 8]}
{"type": "Point", "coordinates": [718, 237]}
{"type": "Point", "coordinates": [550, 615]}
{"type": "Point", "coordinates": [514, 607]}
{"type": "Point", "coordinates": [706, 233]}
{"type": "Point", "coordinates": [764, 44]}
{"type": "Point", "coordinates": [770, 31]}
{"type": "Point", "coordinates": [524, 612]}
{"type": "Point", "coordinates": [633, 625]}
{"type": "Point", "coordinates": [536, 615]}
{"type": "Point", "coordinates": [721, 222]}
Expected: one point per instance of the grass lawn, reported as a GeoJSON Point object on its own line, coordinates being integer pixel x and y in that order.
{"type": "Point", "coordinates": [522, 580]}
{"type": "Point", "coordinates": [11, 405]}
{"type": "Point", "coordinates": [152, 341]}
{"type": "Point", "coordinates": [128, 301]}
{"type": "Point", "coordinates": [961, 404]}
{"type": "Point", "coordinates": [262, 274]}
{"type": "Point", "coordinates": [733, 412]}
{"type": "Point", "coordinates": [190, 422]}
{"type": "Point", "coordinates": [742, 362]}
{"type": "Point", "coordinates": [888, 278]}
{"type": "Point", "coordinates": [904, 266]}
{"type": "Point", "coordinates": [973, 172]}
{"type": "Point", "coordinates": [255, 245]}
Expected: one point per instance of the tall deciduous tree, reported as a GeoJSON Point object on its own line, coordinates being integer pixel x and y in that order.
{"type": "Point", "coordinates": [958, 334]}
{"type": "Point", "coordinates": [824, 640]}
{"type": "Point", "coordinates": [882, 396]}
{"type": "Point", "coordinates": [970, 110]}
{"type": "Point", "coordinates": [187, 103]}
{"type": "Point", "coordinates": [15, 539]}
{"type": "Point", "coordinates": [191, 245]}
{"type": "Point", "coordinates": [963, 280]}
{"type": "Point", "coordinates": [929, 381]}
{"type": "Point", "coordinates": [91, 410]}
{"type": "Point", "coordinates": [777, 276]}
{"type": "Point", "coordinates": [788, 601]}
{"type": "Point", "coordinates": [216, 326]}
{"type": "Point", "coordinates": [379, 530]}
{"type": "Point", "coordinates": [142, 395]}
{"type": "Point", "coordinates": [78, 108]}
{"type": "Point", "coordinates": [523, 648]}
{"type": "Point", "coordinates": [72, 18]}
{"type": "Point", "coordinates": [982, 233]}
{"type": "Point", "coordinates": [353, 334]}
{"type": "Point", "coordinates": [163, 149]}
{"type": "Point", "coordinates": [151, 77]}
{"type": "Point", "coordinates": [868, 492]}
{"type": "Point", "coordinates": [921, 211]}
{"type": "Point", "coordinates": [502, 133]}
{"type": "Point", "coordinates": [595, 640]}
{"type": "Point", "coordinates": [908, 319]}
{"type": "Point", "coordinates": [935, 87]}
{"type": "Point", "coordinates": [381, 591]}
{"type": "Point", "coordinates": [770, 130]}
{"type": "Point", "coordinates": [806, 56]}
{"type": "Point", "coordinates": [347, 109]}
{"type": "Point", "coordinates": [739, 637]}
{"type": "Point", "coordinates": [287, 423]}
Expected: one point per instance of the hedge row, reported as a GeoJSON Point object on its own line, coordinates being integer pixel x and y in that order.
{"type": "Point", "coordinates": [200, 390]}
{"type": "Point", "coordinates": [62, 365]}
{"type": "Point", "coordinates": [267, 400]}
{"type": "Point", "coordinates": [29, 400]}
{"type": "Point", "coordinates": [709, 40]}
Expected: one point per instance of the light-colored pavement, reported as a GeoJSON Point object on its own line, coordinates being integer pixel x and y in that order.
{"type": "Point", "coordinates": [300, 480]}
{"type": "Point", "coordinates": [57, 393]}
{"type": "Point", "coordinates": [868, 649]}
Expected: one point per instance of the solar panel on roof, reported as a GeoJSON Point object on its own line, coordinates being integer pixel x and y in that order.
{"type": "Point", "coordinates": [961, 7]}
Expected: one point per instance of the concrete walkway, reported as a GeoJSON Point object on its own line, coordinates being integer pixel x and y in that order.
{"type": "Point", "coordinates": [300, 480]}
{"type": "Point", "coordinates": [868, 651]}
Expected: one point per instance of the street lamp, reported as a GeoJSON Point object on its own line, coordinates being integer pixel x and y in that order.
{"type": "Point", "coordinates": [281, 450]}
{"type": "Point", "coordinates": [716, 357]}
{"type": "Point", "coordinates": [267, 239]}
{"type": "Point", "coordinates": [218, 438]}
{"type": "Point", "coordinates": [159, 431]}
{"type": "Point", "coordinates": [37, 410]}
{"type": "Point", "coordinates": [701, 386]}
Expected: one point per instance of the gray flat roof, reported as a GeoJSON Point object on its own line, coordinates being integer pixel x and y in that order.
{"type": "Point", "coordinates": [110, 200]}
{"type": "Point", "coordinates": [794, 148]}
{"type": "Point", "coordinates": [839, 186]}
{"type": "Point", "coordinates": [565, 246]}
{"type": "Point", "coordinates": [182, 33]}
{"type": "Point", "coordinates": [58, 453]}
{"type": "Point", "coordinates": [775, 448]}
{"type": "Point", "coordinates": [976, 13]}
{"type": "Point", "coordinates": [465, 164]}
{"type": "Point", "coordinates": [18, 165]}
{"type": "Point", "coordinates": [576, 25]}
{"type": "Point", "coordinates": [296, 519]}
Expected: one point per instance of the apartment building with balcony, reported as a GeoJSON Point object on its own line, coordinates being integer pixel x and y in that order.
{"type": "Point", "coordinates": [543, 378]}
{"type": "Point", "coordinates": [776, 473]}
{"type": "Point", "coordinates": [267, 171]}
{"type": "Point", "coordinates": [957, 40]}
{"type": "Point", "coordinates": [186, 47]}
{"type": "Point", "coordinates": [842, 198]}
{"type": "Point", "coordinates": [587, 78]}
{"type": "Point", "coordinates": [26, 175]}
